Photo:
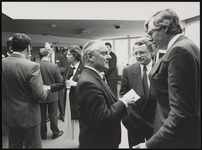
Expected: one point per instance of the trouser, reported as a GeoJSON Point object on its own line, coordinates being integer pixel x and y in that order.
{"type": "Point", "coordinates": [61, 103]}
{"type": "Point", "coordinates": [113, 86]}
{"type": "Point", "coordinates": [30, 137]}
{"type": "Point", "coordinates": [53, 115]}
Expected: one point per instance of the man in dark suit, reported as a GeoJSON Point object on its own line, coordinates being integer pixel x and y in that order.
{"type": "Point", "coordinates": [50, 75]}
{"type": "Point", "coordinates": [22, 89]}
{"type": "Point", "coordinates": [176, 84]}
{"type": "Point", "coordinates": [100, 110]}
{"type": "Point", "coordinates": [140, 118]}
{"type": "Point", "coordinates": [112, 73]}
{"type": "Point", "coordinates": [62, 63]}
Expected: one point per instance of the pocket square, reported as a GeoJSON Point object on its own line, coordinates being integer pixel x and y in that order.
{"type": "Point", "coordinates": [57, 61]}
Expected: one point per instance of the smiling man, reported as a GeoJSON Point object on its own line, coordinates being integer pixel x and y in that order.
{"type": "Point", "coordinates": [100, 111]}
{"type": "Point", "coordinates": [139, 121]}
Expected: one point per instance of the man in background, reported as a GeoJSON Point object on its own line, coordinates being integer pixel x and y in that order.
{"type": "Point", "coordinates": [50, 75]}
{"type": "Point", "coordinates": [62, 63]}
{"type": "Point", "coordinates": [22, 90]}
{"type": "Point", "coordinates": [112, 73]}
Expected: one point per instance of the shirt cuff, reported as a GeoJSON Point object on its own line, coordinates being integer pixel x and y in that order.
{"type": "Point", "coordinates": [124, 101]}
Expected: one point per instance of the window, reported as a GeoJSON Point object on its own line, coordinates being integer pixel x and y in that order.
{"type": "Point", "coordinates": [121, 50]}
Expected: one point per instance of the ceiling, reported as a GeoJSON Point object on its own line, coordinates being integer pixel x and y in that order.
{"type": "Point", "coordinates": [88, 20]}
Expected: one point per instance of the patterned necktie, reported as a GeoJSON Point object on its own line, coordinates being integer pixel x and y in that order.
{"type": "Point", "coordinates": [71, 71]}
{"type": "Point", "coordinates": [145, 82]}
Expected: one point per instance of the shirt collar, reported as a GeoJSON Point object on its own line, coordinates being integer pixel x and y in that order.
{"type": "Point", "coordinates": [149, 66]}
{"type": "Point", "coordinates": [18, 53]}
{"type": "Point", "coordinates": [98, 72]}
{"type": "Point", "coordinates": [75, 66]}
{"type": "Point", "coordinates": [172, 41]}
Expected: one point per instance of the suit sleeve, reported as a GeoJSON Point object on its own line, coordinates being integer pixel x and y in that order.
{"type": "Point", "coordinates": [182, 86]}
{"type": "Point", "coordinates": [36, 83]}
{"type": "Point", "coordinates": [96, 107]}
{"type": "Point", "coordinates": [124, 83]}
{"type": "Point", "coordinates": [59, 81]}
{"type": "Point", "coordinates": [112, 65]}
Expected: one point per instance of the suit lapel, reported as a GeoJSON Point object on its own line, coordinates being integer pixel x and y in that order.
{"type": "Point", "coordinates": [78, 71]}
{"type": "Point", "coordinates": [96, 76]}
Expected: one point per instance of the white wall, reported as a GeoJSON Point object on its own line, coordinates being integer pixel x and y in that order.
{"type": "Point", "coordinates": [192, 31]}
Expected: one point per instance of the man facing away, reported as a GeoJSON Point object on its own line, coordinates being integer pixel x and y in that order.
{"type": "Point", "coordinates": [22, 90]}
{"type": "Point", "coordinates": [50, 75]}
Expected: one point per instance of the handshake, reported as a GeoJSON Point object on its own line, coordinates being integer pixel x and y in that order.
{"type": "Point", "coordinates": [68, 84]}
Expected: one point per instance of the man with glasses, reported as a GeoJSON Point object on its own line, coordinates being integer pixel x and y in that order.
{"type": "Point", "coordinates": [139, 121]}
{"type": "Point", "coordinates": [176, 84]}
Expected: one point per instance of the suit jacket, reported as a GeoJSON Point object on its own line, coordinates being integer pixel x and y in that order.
{"type": "Point", "coordinates": [112, 72]}
{"type": "Point", "coordinates": [62, 63]}
{"type": "Point", "coordinates": [176, 84]}
{"type": "Point", "coordinates": [50, 75]}
{"type": "Point", "coordinates": [100, 112]}
{"type": "Point", "coordinates": [139, 121]}
{"type": "Point", "coordinates": [22, 89]}
{"type": "Point", "coordinates": [74, 110]}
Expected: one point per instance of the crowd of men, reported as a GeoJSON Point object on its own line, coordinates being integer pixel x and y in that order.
{"type": "Point", "coordinates": [166, 114]}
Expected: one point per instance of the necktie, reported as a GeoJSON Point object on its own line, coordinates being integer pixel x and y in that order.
{"type": "Point", "coordinates": [71, 71]}
{"type": "Point", "coordinates": [145, 82]}
{"type": "Point", "coordinates": [51, 59]}
{"type": "Point", "coordinates": [104, 79]}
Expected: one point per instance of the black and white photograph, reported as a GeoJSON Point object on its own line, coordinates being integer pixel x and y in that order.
{"type": "Point", "coordinates": [108, 75]}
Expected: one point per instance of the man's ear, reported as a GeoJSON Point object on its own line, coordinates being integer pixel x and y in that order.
{"type": "Point", "coordinates": [166, 30]}
{"type": "Point", "coordinates": [28, 48]}
{"type": "Point", "coordinates": [90, 56]}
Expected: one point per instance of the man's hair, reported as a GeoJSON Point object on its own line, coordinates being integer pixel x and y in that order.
{"type": "Point", "coordinates": [88, 49]}
{"type": "Point", "coordinates": [20, 42]}
{"type": "Point", "coordinates": [75, 50]}
{"type": "Point", "coordinates": [166, 19]}
{"type": "Point", "coordinates": [147, 41]}
{"type": "Point", "coordinates": [109, 44]}
{"type": "Point", "coordinates": [43, 52]}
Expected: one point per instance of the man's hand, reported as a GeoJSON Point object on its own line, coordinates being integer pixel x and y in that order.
{"type": "Point", "coordinates": [46, 88]}
{"type": "Point", "coordinates": [141, 145]}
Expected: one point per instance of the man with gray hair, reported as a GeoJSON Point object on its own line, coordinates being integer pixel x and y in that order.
{"type": "Point", "coordinates": [140, 118]}
{"type": "Point", "coordinates": [100, 111]}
